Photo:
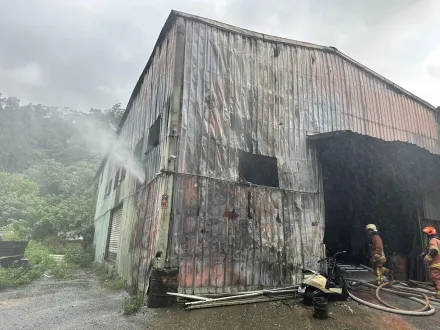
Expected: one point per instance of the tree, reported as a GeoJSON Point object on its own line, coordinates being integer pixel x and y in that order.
{"type": "Point", "coordinates": [49, 157]}
{"type": "Point", "coordinates": [20, 200]}
{"type": "Point", "coordinates": [54, 178]}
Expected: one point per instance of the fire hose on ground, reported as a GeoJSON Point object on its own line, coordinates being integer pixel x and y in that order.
{"type": "Point", "coordinates": [426, 310]}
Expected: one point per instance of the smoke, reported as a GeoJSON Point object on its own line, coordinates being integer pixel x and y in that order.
{"type": "Point", "coordinates": [432, 63]}
{"type": "Point", "coordinates": [103, 140]}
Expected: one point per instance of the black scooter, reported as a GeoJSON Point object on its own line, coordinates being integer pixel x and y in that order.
{"type": "Point", "coordinates": [318, 284]}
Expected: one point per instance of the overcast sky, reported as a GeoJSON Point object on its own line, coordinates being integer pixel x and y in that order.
{"type": "Point", "coordinates": [90, 53]}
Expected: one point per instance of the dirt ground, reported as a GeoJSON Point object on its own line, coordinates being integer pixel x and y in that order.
{"type": "Point", "coordinates": [83, 303]}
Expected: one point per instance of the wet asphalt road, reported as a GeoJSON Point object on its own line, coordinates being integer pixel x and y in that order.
{"type": "Point", "coordinates": [83, 304]}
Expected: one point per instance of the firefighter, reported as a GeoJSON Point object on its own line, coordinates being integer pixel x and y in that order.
{"type": "Point", "coordinates": [432, 258]}
{"type": "Point", "coordinates": [377, 256]}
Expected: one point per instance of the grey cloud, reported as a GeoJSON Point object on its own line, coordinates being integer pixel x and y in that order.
{"type": "Point", "coordinates": [90, 53]}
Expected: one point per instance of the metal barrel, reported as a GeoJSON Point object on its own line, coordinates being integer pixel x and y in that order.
{"type": "Point", "coordinates": [161, 282]}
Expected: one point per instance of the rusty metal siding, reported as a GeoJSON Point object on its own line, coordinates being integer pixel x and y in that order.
{"type": "Point", "coordinates": [377, 110]}
{"type": "Point", "coordinates": [247, 93]}
{"type": "Point", "coordinates": [237, 96]}
{"type": "Point", "coordinates": [331, 90]}
{"type": "Point", "coordinates": [229, 237]}
{"type": "Point", "coordinates": [143, 232]}
{"type": "Point", "coordinates": [151, 102]}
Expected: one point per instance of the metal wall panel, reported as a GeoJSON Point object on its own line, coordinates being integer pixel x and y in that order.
{"type": "Point", "coordinates": [144, 231]}
{"type": "Point", "coordinates": [151, 102]}
{"type": "Point", "coordinates": [100, 238]}
{"type": "Point", "coordinates": [229, 237]}
{"type": "Point", "coordinates": [257, 95]}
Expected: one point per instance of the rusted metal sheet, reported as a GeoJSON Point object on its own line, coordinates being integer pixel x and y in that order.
{"type": "Point", "coordinates": [229, 237]}
{"type": "Point", "coordinates": [243, 92]}
{"type": "Point", "coordinates": [144, 232]}
{"type": "Point", "coordinates": [248, 77]}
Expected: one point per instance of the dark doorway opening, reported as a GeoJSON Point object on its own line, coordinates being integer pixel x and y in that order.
{"type": "Point", "coordinates": [367, 180]}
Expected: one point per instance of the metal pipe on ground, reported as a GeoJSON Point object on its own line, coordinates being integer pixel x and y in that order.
{"type": "Point", "coordinates": [226, 294]}
{"type": "Point", "coordinates": [420, 285]}
{"type": "Point", "coordinates": [248, 295]}
{"type": "Point", "coordinates": [367, 268]}
{"type": "Point", "coordinates": [187, 296]}
{"type": "Point", "coordinates": [272, 292]}
{"type": "Point", "coordinates": [238, 302]}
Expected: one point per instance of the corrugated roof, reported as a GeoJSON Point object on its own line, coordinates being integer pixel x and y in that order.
{"type": "Point", "coordinates": [175, 14]}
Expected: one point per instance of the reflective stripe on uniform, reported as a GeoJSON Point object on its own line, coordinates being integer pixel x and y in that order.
{"type": "Point", "coordinates": [434, 266]}
{"type": "Point", "coordinates": [427, 258]}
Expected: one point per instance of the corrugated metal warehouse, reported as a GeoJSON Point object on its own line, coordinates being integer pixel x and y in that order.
{"type": "Point", "coordinates": [243, 138]}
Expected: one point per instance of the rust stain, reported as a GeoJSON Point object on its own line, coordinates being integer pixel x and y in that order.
{"type": "Point", "coordinates": [231, 215]}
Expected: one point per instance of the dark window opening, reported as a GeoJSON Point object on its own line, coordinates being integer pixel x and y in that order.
{"type": "Point", "coordinates": [116, 179]}
{"type": "Point", "coordinates": [108, 189]}
{"type": "Point", "coordinates": [138, 150]}
{"type": "Point", "coordinates": [258, 169]}
{"type": "Point", "coordinates": [154, 135]}
{"type": "Point", "coordinates": [122, 175]}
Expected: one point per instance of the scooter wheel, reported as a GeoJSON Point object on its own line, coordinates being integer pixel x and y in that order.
{"type": "Point", "coordinates": [311, 293]}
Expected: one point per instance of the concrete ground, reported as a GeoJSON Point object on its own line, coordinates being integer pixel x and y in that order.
{"type": "Point", "coordinates": [83, 304]}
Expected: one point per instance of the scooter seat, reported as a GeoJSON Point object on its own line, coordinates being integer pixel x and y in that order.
{"type": "Point", "coordinates": [330, 285]}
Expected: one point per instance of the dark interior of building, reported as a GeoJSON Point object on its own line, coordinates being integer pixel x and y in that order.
{"type": "Point", "coordinates": [367, 180]}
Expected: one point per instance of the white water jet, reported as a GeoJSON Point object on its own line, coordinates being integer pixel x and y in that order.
{"type": "Point", "coordinates": [105, 142]}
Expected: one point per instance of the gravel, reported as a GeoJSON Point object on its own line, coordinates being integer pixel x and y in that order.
{"type": "Point", "coordinates": [83, 303]}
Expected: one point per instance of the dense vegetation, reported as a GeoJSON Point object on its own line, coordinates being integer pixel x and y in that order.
{"type": "Point", "coordinates": [48, 160]}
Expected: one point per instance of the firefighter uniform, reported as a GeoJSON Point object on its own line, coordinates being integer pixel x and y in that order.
{"type": "Point", "coordinates": [432, 258]}
{"type": "Point", "coordinates": [377, 256]}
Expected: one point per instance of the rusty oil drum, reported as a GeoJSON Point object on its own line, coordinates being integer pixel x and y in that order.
{"type": "Point", "coordinates": [161, 282]}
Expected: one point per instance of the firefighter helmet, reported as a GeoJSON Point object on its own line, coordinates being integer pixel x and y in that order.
{"type": "Point", "coordinates": [371, 227]}
{"type": "Point", "coordinates": [430, 231]}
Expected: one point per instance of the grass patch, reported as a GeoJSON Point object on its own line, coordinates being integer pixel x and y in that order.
{"type": "Point", "coordinates": [62, 271]}
{"type": "Point", "coordinates": [133, 304]}
{"type": "Point", "coordinates": [76, 255]}
{"type": "Point", "coordinates": [40, 261]}
{"type": "Point", "coordinates": [109, 279]}
{"type": "Point", "coordinates": [15, 276]}
{"type": "Point", "coordinates": [114, 284]}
